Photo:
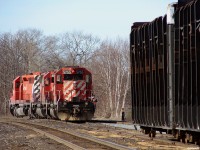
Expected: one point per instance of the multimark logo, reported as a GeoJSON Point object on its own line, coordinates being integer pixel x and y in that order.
{"type": "Point", "coordinates": [36, 88]}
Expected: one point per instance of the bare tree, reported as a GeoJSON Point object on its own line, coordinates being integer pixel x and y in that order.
{"type": "Point", "coordinates": [8, 67]}
{"type": "Point", "coordinates": [19, 53]}
{"type": "Point", "coordinates": [29, 50]}
{"type": "Point", "coordinates": [79, 47]}
{"type": "Point", "coordinates": [111, 65]}
{"type": "Point", "coordinates": [53, 55]}
{"type": "Point", "coordinates": [30, 42]}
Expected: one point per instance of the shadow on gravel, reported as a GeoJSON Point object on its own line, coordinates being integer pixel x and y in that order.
{"type": "Point", "coordinates": [93, 121]}
{"type": "Point", "coordinates": [76, 121]}
{"type": "Point", "coordinates": [102, 121]}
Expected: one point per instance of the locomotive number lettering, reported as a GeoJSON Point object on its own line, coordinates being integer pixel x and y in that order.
{"type": "Point", "coordinates": [66, 72]}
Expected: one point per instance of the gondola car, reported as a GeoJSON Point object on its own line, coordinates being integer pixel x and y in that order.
{"type": "Point", "coordinates": [165, 72]}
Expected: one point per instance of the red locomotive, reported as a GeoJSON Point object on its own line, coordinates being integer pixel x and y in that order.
{"type": "Point", "coordinates": [64, 94]}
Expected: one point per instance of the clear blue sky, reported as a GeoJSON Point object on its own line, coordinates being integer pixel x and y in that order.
{"type": "Point", "coordinates": [103, 18]}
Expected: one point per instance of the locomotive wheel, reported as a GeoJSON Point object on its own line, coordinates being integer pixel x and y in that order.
{"type": "Point", "coordinates": [186, 140]}
{"type": "Point", "coordinates": [152, 134]}
{"type": "Point", "coordinates": [77, 118]}
{"type": "Point", "coordinates": [53, 113]}
{"type": "Point", "coordinates": [63, 116]}
{"type": "Point", "coordinates": [41, 113]}
{"type": "Point", "coordinates": [12, 111]}
{"type": "Point", "coordinates": [84, 117]}
{"type": "Point", "coordinates": [88, 116]}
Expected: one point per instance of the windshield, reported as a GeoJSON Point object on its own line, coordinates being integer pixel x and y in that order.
{"type": "Point", "coordinates": [73, 77]}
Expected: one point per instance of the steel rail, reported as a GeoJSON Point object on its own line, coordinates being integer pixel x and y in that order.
{"type": "Point", "coordinates": [82, 136]}
{"type": "Point", "coordinates": [51, 136]}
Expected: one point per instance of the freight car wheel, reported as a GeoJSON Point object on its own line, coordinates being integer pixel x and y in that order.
{"type": "Point", "coordinates": [145, 131]}
{"type": "Point", "coordinates": [182, 140]}
{"type": "Point", "coordinates": [176, 135]}
{"type": "Point", "coordinates": [197, 142]}
{"type": "Point", "coordinates": [142, 130]}
{"type": "Point", "coordinates": [186, 140]}
{"type": "Point", "coordinates": [152, 134]}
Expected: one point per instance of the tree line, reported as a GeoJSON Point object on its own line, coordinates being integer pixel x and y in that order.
{"type": "Point", "coordinates": [30, 50]}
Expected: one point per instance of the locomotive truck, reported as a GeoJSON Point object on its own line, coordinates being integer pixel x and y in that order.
{"type": "Point", "coordinates": [165, 72]}
{"type": "Point", "coordinates": [64, 94]}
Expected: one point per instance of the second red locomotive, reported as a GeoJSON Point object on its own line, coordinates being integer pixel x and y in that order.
{"type": "Point", "coordinates": [64, 94]}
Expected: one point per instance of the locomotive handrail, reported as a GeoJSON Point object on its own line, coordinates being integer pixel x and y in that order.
{"type": "Point", "coordinates": [91, 97]}
{"type": "Point", "coordinates": [58, 100]}
{"type": "Point", "coordinates": [46, 102]}
{"type": "Point", "coordinates": [48, 95]}
{"type": "Point", "coordinates": [14, 96]}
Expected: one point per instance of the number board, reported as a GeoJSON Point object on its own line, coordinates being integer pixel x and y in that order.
{"type": "Point", "coordinates": [66, 72]}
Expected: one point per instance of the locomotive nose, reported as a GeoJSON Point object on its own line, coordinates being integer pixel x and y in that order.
{"type": "Point", "coordinates": [75, 90]}
{"type": "Point", "coordinates": [75, 85]}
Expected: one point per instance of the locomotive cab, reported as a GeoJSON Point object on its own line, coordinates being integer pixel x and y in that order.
{"type": "Point", "coordinates": [73, 86]}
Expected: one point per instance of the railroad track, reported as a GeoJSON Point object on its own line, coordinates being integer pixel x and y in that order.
{"type": "Point", "coordinates": [132, 138]}
{"type": "Point", "coordinates": [168, 139]}
{"type": "Point", "coordinates": [165, 140]}
{"type": "Point", "coordinates": [69, 138]}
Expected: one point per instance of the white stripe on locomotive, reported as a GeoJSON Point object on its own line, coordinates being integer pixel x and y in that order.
{"type": "Point", "coordinates": [72, 90]}
{"type": "Point", "coordinates": [36, 87]}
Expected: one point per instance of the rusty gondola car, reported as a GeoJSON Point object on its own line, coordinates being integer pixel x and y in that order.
{"type": "Point", "coordinates": [165, 72]}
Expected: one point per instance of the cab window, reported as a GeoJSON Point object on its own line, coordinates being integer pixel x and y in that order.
{"type": "Point", "coordinates": [52, 78]}
{"type": "Point", "coordinates": [17, 84]}
{"type": "Point", "coordinates": [46, 81]}
{"type": "Point", "coordinates": [59, 79]}
{"type": "Point", "coordinates": [68, 77]}
{"type": "Point", "coordinates": [73, 77]}
{"type": "Point", "coordinates": [31, 80]}
{"type": "Point", "coordinates": [78, 77]}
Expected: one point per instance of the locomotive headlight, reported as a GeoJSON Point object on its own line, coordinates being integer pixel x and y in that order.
{"type": "Point", "coordinates": [86, 103]}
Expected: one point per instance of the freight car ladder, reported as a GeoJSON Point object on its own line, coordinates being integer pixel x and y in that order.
{"type": "Point", "coordinates": [171, 75]}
